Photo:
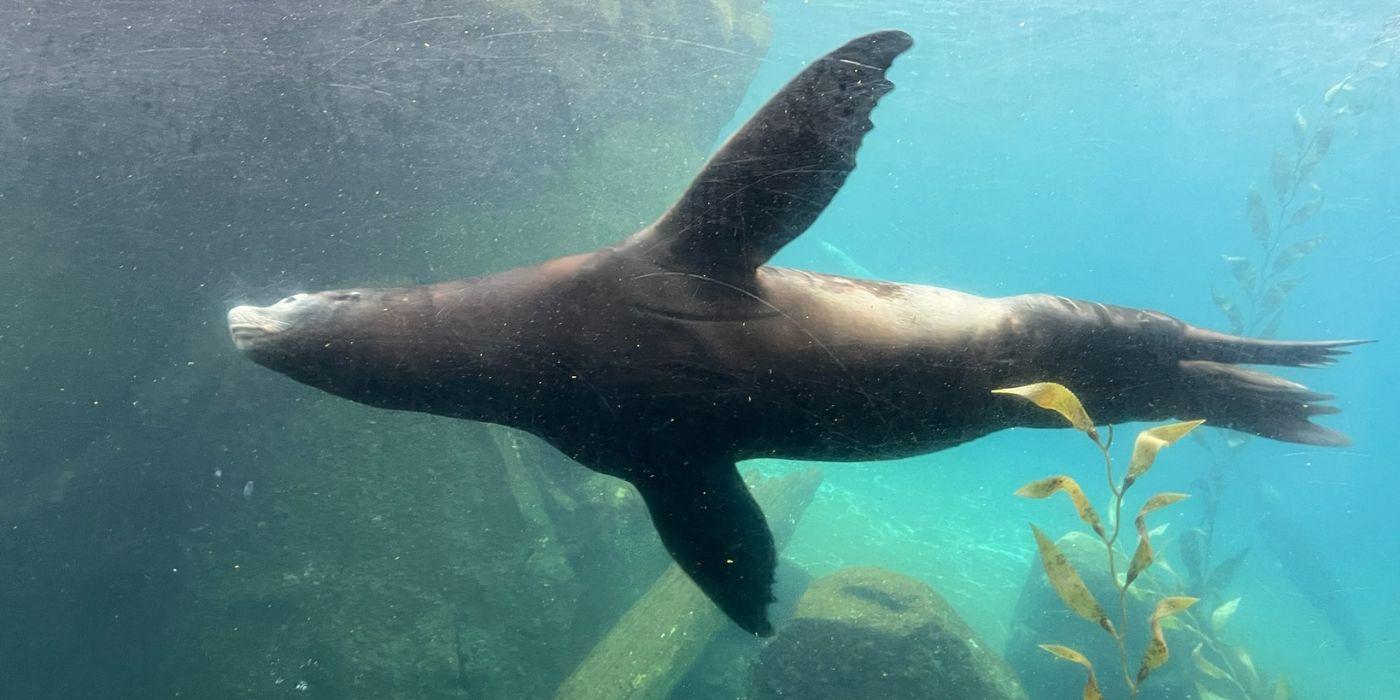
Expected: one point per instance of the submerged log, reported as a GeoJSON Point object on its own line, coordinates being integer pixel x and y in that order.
{"type": "Point", "coordinates": [522, 485]}
{"type": "Point", "coordinates": [656, 642]}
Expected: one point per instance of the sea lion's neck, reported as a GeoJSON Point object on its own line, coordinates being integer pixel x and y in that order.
{"type": "Point", "coordinates": [477, 348]}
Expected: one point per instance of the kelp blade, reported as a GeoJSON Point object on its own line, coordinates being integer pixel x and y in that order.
{"type": "Point", "coordinates": [1057, 398]}
{"type": "Point", "coordinates": [1246, 661]}
{"type": "Point", "coordinates": [1144, 556]}
{"type": "Point", "coordinates": [1091, 686]}
{"type": "Point", "coordinates": [1220, 577]}
{"type": "Point", "coordinates": [1221, 616]}
{"type": "Point", "coordinates": [1258, 217]}
{"type": "Point", "coordinates": [1151, 441]}
{"type": "Point", "coordinates": [1048, 487]}
{"type": "Point", "coordinates": [1203, 693]}
{"type": "Point", "coordinates": [1067, 584]}
{"type": "Point", "coordinates": [1204, 665]}
{"type": "Point", "coordinates": [1157, 653]}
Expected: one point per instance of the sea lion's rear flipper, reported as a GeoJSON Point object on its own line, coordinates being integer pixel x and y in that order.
{"type": "Point", "coordinates": [772, 178]}
{"type": "Point", "coordinates": [1216, 388]}
{"type": "Point", "coordinates": [1229, 396]}
{"type": "Point", "coordinates": [715, 531]}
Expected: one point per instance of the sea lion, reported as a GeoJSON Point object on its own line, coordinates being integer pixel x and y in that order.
{"type": "Point", "coordinates": [666, 358]}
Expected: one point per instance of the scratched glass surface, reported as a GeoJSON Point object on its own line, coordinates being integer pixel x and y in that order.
{"type": "Point", "coordinates": [206, 490]}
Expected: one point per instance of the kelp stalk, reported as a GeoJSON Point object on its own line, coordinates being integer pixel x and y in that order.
{"type": "Point", "coordinates": [1063, 578]}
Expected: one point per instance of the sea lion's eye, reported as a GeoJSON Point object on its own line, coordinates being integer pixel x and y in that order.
{"type": "Point", "coordinates": [348, 296]}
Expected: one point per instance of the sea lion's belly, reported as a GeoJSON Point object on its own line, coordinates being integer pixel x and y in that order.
{"type": "Point", "coordinates": [826, 368]}
{"type": "Point", "coordinates": [859, 401]}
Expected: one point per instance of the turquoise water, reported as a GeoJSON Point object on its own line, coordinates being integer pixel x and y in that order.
{"type": "Point", "coordinates": [175, 522]}
{"type": "Point", "coordinates": [1106, 154]}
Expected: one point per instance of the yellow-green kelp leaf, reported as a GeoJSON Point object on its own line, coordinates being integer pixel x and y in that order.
{"type": "Point", "coordinates": [1055, 397]}
{"type": "Point", "coordinates": [1157, 653]}
{"type": "Point", "coordinates": [1222, 614]}
{"type": "Point", "coordinates": [1091, 687]}
{"type": "Point", "coordinates": [1048, 487]}
{"type": "Point", "coordinates": [1204, 665]}
{"type": "Point", "coordinates": [1067, 584]}
{"type": "Point", "coordinates": [1282, 691]}
{"type": "Point", "coordinates": [1160, 501]}
{"type": "Point", "coordinates": [1143, 557]}
{"type": "Point", "coordinates": [1151, 441]}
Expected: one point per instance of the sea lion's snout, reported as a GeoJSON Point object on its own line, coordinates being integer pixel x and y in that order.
{"type": "Point", "coordinates": [250, 325]}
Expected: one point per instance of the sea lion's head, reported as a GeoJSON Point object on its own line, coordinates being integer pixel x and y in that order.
{"type": "Point", "coordinates": [263, 331]}
{"type": "Point", "coordinates": [347, 342]}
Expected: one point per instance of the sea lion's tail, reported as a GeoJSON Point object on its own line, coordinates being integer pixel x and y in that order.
{"type": "Point", "coordinates": [1232, 349]}
{"type": "Point", "coordinates": [1203, 368]}
{"type": "Point", "coordinates": [1229, 396]}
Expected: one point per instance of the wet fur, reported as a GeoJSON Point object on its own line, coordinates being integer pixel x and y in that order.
{"type": "Point", "coordinates": [669, 357]}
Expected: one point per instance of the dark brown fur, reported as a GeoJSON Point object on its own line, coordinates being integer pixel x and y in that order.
{"type": "Point", "coordinates": [669, 357]}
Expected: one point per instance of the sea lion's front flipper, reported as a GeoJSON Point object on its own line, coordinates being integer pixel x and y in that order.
{"type": "Point", "coordinates": [715, 531]}
{"type": "Point", "coordinates": [772, 178]}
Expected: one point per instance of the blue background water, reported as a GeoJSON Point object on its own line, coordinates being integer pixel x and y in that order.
{"type": "Point", "coordinates": [1104, 151]}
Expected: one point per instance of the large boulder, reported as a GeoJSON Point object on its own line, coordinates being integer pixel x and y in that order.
{"type": "Point", "coordinates": [722, 672]}
{"type": "Point", "coordinates": [873, 633]}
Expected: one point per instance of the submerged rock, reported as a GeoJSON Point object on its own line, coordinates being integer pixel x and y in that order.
{"type": "Point", "coordinates": [722, 671]}
{"type": "Point", "coordinates": [873, 633]}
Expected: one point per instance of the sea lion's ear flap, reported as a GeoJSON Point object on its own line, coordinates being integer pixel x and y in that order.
{"type": "Point", "coordinates": [772, 178]}
{"type": "Point", "coordinates": [716, 532]}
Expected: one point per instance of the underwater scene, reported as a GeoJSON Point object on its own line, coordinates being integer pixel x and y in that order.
{"type": "Point", "coordinates": [512, 349]}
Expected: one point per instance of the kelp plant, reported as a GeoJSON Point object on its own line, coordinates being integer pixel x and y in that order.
{"type": "Point", "coordinates": [1280, 226]}
{"type": "Point", "coordinates": [1285, 232]}
{"type": "Point", "coordinates": [1063, 578]}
